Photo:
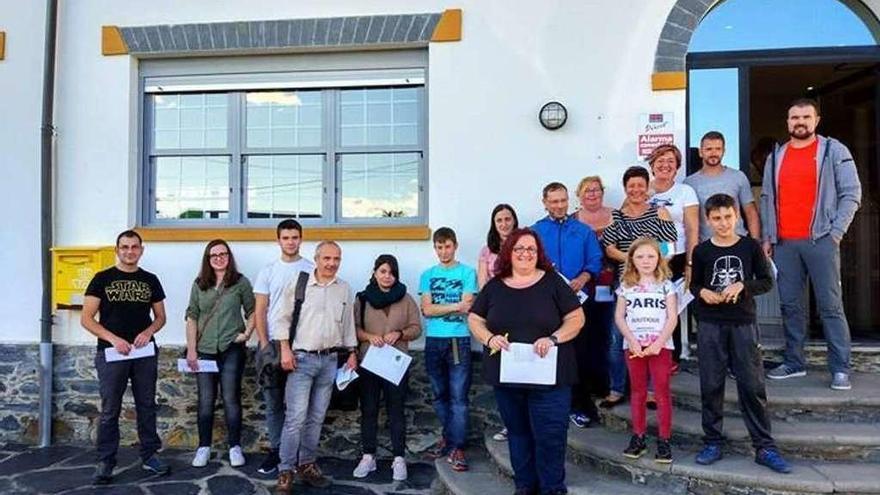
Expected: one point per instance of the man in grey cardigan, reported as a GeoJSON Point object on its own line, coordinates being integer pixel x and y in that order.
{"type": "Point", "coordinates": [811, 192]}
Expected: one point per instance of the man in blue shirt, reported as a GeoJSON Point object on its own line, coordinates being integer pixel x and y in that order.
{"type": "Point", "coordinates": [447, 291]}
{"type": "Point", "coordinates": [575, 252]}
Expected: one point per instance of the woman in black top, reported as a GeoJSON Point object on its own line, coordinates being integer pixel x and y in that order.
{"type": "Point", "coordinates": [527, 302]}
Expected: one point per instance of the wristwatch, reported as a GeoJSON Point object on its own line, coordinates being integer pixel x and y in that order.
{"type": "Point", "coordinates": [553, 339]}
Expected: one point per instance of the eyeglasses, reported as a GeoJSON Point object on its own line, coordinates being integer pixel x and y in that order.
{"type": "Point", "coordinates": [597, 190]}
{"type": "Point", "coordinates": [217, 256]}
{"type": "Point", "coordinates": [523, 249]}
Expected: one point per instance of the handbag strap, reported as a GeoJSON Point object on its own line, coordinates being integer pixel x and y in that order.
{"type": "Point", "coordinates": [210, 315]}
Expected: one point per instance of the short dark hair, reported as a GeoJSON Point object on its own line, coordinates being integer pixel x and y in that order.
{"type": "Point", "coordinates": [712, 136]}
{"type": "Point", "coordinates": [636, 171]}
{"type": "Point", "coordinates": [444, 234]}
{"type": "Point", "coordinates": [553, 186]}
{"type": "Point", "coordinates": [288, 224]}
{"type": "Point", "coordinates": [718, 201]}
{"type": "Point", "coordinates": [805, 102]}
{"type": "Point", "coordinates": [129, 233]}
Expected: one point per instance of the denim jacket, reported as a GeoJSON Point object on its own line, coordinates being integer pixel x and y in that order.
{"type": "Point", "coordinates": [838, 194]}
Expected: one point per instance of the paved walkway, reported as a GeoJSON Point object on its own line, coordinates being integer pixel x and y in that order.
{"type": "Point", "coordinates": [68, 470]}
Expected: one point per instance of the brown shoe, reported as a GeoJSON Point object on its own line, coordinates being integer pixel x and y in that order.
{"type": "Point", "coordinates": [285, 482]}
{"type": "Point", "coordinates": [312, 476]}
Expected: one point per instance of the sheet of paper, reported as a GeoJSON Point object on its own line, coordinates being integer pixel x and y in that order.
{"type": "Point", "coordinates": [344, 376]}
{"type": "Point", "coordinates": [604, 293]}
{"type": "Point", "coordinates": [773, 269]}
{"type": "Point", "coordinates": [581, 295]}
{"type": "Point", "coordinates": [521, 364]}
{"type": "Point", "coordinates": [111, 354]}
{"type": "Point", "coordinates": [387, 362]}
{"type": "Point", "coordinates": [684, 295]}
{"type": "Point", "coordinates": [205, 366]}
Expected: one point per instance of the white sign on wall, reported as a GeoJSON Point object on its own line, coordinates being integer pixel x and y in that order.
{"type": "Point", "coordinates": [654, 129]}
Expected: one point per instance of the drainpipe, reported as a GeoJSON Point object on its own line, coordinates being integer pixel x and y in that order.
{"type": "Point", "coordinates": [46, 189]}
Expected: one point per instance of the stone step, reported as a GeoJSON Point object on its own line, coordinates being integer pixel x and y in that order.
{"type": "Point", "coordinates": [807, 398]}
{"type": "Point", "coordinates": [601, 448]}
{"type": "Point", "coordinates": [483, 477]}
{"type": "Point", "coordinates": [581, 479]}
{"type": "Point", "coordinates": [807, 439]}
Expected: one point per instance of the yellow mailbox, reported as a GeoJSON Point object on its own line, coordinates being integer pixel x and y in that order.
{"type": "Point", "coordinates": [73, 269]}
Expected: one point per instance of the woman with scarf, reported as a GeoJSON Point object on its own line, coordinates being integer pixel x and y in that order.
{"type": "Point", "coordinates": [384, 315]}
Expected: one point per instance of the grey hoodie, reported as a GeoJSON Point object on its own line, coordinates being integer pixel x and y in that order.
{"type": "Point", "coordinates": [838, 194]}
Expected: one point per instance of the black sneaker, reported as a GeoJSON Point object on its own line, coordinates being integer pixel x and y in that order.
{"type": "Point", "coordinates": [270, 463]}
{"type": "Point", "coordinates": [636, 448]}
{"type": "Point", "coordinates": [103, 473]}
{"type": "Point", "coordinates": [664, 452]}
{"type": "Point", "coordinates": [156, 466]}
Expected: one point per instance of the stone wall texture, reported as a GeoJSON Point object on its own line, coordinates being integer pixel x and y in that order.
{"type": "Point", "coordinates": [77, 405]}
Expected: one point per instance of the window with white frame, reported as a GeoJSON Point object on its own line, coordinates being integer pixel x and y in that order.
{"type": "Point", "coordinates": [338, 147]}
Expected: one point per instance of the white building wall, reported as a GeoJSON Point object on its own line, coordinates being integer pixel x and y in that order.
{"type": "Point", "coordinates": [20, 101]}
{"type": "Point", "coordinates": [485, 144]}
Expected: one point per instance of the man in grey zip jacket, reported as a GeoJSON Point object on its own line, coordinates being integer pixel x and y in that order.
{"type": "Point", "coordinates": [817, 253]}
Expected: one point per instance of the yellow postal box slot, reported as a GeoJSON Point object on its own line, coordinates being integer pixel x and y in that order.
{"type": "Point", "coordinates": [73, 269]}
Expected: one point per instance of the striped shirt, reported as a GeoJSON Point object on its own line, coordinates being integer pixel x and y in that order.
{"type": "Point", "coordinates": [624, 230]}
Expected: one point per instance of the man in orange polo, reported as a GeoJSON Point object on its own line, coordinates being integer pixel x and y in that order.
{"type": "Point", "coordinates": [811, 193]}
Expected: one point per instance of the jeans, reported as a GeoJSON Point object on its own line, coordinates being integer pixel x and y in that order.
{"type": "Point", "coordinates": [372, 388]}
{"type": "Point", "coordinates": [592, 359]}
{"type": "Point", "coordinates": [231, 365]}
{"type": "Point", "coordinates": [307, 395]}
{"type": "Point", "coordinates": [659, 369]}
{"type": "Point", "coordinates": [274, 399]}
{"type": "Point", "coordinates": [113, 380]}
{"type": "Point", "coordinates": [820, 260]}
{"type": "Point", "coordinates": [616, 359]}
{"type": "Point", "coordinates": [537, 429]}
{"type": "Point", "coordinates": [720, 346]}
{"type": "Point", "coordinates": [448, 363]}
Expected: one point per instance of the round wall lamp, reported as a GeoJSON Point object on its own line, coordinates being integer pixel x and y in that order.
{"type": "Point", "coordinates": [553, 115]}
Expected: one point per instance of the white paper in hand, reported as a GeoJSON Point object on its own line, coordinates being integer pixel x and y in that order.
{"type": "Point", "coordinates": [111, 354]}
{"type": "Point", "coordinates": [386, 362]}
{"type": "Point", "coordinates": [205, 366]}
{"type": "Point", "coordinates": [521, 364]}
{"type": "Point", "coordinates": [684, 295]}
{"type": "Point", "coordinates": [344, 376]}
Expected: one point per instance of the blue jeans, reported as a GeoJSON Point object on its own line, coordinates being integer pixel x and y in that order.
{"type": "Point", "coordinates": [537, 429]}
{"type": "Point", "coordinates": [307, 395]}
{"type": "Point", "coordinates": [820, 260]}
{"type": "Point", "coordinates": [113, 379]}
{"type": "Point", "coordinates": [616, 358]}
{"type": "Point", "coordinates": [231, 365]}
{"type": "Point", "coordinates": [448, 363]}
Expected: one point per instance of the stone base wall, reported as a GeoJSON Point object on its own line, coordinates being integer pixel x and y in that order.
{"type": "Point", "coordinates": [77, 404]}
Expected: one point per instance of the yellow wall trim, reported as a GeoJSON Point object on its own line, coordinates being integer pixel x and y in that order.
{"type": "Point", "coordinates": [397, 233]}
{"type": "Point", "coordinates": [449, 26]}
{"type": "Point", "coordinates": [664, 81]}
{"type": "Point", "coordinates": [2, 45]}
{"type": "Point", "coordinates": [112, 42]}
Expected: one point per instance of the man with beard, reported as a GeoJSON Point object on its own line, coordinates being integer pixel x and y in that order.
{"type": "Point", "coordinates": [716, 178]}
{"type": "Point", "coordinates": [811, 193]}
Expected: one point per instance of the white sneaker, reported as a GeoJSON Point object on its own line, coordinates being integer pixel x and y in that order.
{"type": "Point", "coordinates": [236, 458]}
{"type": "Point", "coordinates": [202, 456]}
{"type": "Point", "coordinates": [398, 468]}
{"type": "Point", "coordinates": [365, 467]}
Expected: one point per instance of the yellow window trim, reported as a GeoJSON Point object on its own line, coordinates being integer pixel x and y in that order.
{"type": "Point", "coordinates": [449, 26]}
{"type": "Point", "coordinates": [373, 233]}
{"type": "Point", "coordinates": [2, 45]}
{"type": "Point", "coordinates": [112, 42]}
{"type": "Point", "coordinates": [666, 81]}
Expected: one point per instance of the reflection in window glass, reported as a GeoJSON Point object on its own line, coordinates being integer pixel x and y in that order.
{"type": "Point", "coordinates": [284, 119]}
{"type": "Point", "coordinates": [379, 116]}
{"type": "Point", "coordinates": [714, 106]}
{"type": "Point", "coordinates": [284, 186]}
{"type": "Point", "coordinates": [379, 185]}
{"type": "Point", "coordinates": [192, 187]}
{"type": "Point", "coordinates": [190, 121]}
{"type": "Point", "coordinates": [765, 24]}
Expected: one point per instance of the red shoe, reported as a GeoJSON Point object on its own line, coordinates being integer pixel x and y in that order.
{"type": "Point", "coordinates": [456, 458]}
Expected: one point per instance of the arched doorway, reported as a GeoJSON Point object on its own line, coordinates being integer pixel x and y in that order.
{"type": "Point", "coordinates": [746, 60]}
